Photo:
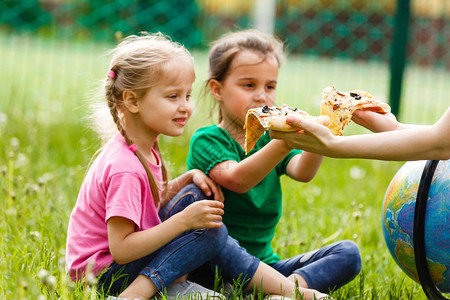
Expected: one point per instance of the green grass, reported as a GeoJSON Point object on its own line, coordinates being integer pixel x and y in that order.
{"type": "Point", "coordinates": [46, 146]}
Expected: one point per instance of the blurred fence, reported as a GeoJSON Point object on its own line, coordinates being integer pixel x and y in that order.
{"type": "Point", "coordinates": [350, 30]}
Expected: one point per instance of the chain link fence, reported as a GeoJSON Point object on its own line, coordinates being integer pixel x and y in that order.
{"type": "Point", "coordinates": [327, 32]}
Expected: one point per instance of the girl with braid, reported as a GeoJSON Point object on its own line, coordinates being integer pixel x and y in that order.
{"type": "Point", "coordinates": [115, 227]}
{"type": "Point", "coordinates": [137, 231]}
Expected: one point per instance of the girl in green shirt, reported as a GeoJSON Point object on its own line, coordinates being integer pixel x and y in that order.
{"type": "Point", "coordinates": [243, 74]}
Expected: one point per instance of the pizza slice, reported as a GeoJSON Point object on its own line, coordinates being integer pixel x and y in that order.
{"type": "Point", "coordinates": [260, 119]}
{"type": "Point", "coordinates": [340, 106]}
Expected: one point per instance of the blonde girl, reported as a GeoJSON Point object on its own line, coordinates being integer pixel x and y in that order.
{"type": "Point", "coordinates": [114, 227]}
{"type": "Point", "coordinates": [243, 74]}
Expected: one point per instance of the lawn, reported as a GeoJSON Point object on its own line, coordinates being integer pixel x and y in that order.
{"type": "Point", "coordinates": [46, 145]}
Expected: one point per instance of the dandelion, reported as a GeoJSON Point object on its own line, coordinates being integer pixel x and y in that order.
{"type": "Point", "coordinates": [357, 215]}
{"type": "Point", "coordinates": [14, 143]}
{"type": "Point", "coordinates": [357, 172]}
{"type": "Point", "coordinates": [35, 235]}
{"type": "Point", "coordinates": [43, 275]}
{"type": "Point", "coordinates": [31, 188]}
{"type": "Point", "coordinates": [61, 261]}
{"type": "Point", "coordinates": [3, 120]}
{"type": "Point", "coordinates": [44, 179]}
{"type": "Point", "coordinates": [90, 277]}
{"type": "Point", "coordinates": [47, 279]}
{"type": "Point", "coordinates": [21, 160]}
{"type": "Point", "coordinates": [51, 281]}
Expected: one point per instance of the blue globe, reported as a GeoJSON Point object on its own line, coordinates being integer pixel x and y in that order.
{"type": "Point", "coordinates": [397, 221]}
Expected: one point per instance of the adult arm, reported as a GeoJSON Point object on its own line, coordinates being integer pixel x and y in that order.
{"type": "Point", "coordinates": [407, 142]}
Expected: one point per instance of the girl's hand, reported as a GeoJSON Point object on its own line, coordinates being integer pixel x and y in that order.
{"type": "Point", "coordinates": [203, 214]}
{"type": "Point", "coordinates": [375, 122]}
{"type": "Point", "coordinates": [207, 185]}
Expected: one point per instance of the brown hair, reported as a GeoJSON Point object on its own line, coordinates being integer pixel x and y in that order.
{"type": "Point", "coordinates": [138, 63]}
{"type": "Point", "coordinates": [225, 49]}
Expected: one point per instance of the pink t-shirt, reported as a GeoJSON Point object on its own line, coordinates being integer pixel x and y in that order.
{"type": "Point", "coordinates": [116, 185]}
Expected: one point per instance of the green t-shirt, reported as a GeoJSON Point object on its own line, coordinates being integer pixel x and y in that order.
{"type": "Point", "coordinates": [250, 217]}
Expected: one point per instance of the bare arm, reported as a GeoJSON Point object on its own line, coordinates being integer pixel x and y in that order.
{"type": "Point", "coordinates": [413, 142]}
{"type": "Point", "coordinates": [126, 244]}
{"type": "Point", "coordinates": [242, 176]}
{"type": "Point", "coordinates": [303, 167]}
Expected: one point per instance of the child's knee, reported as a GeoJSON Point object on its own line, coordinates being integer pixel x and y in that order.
{"type": "Point", "coordinates": [353, 255]}
{"type": "Point", "coordinates": [216, 237]}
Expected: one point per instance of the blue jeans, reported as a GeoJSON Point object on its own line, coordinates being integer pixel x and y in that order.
{"type": "Point", "coordinates": [326, 268]}
{"type": "Point", "coordinates": [233, 261]}
{"type": "Point", "coordinates": [182, 255]}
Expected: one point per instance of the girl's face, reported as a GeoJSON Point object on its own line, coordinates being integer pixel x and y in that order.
{"type": "Point", "coordinates": [251, 82]}
{"type": "Point", "coordinates": [166, 107]}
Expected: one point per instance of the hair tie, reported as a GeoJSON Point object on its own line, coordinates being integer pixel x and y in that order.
{"type": "Point", "coordinates": [133, 147]}
{"type": "Point", "coordinates": [111, 74]}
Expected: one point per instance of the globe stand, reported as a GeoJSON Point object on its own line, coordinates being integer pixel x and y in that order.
{"type": "Point", "coordinates": [428, 286]}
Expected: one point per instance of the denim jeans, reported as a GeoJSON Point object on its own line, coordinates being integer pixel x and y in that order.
{"type": "Point", "coordinates": [233, 261]}
{"type": "Point", "coordinates": [326, 268]}
{"type": "Point", "coordinates": [182, 255]}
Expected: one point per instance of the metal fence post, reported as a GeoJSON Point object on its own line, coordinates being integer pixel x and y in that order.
{"type": "Point", "coordinates": [398, 53]}
{"type": "Point", "coordinates": [264, 15]}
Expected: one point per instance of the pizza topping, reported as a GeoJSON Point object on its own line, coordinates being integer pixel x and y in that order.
{"type": "Point", "coordinates": [339, 106]}
{"type": "Point", "coordinates": [265, 109]}
{"type": "Point", "coordinates": [355, 95]}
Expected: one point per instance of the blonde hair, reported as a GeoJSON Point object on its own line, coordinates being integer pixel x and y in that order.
{"type": "Point", "coordinates": [225, 49]}
{"type": "Point", "coordinates": [138, 63]}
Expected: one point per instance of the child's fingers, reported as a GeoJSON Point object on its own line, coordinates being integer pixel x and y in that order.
{"type": "Point", "coordinates": [216, 190]}
{"type": "Point", "coordinates": [216, 224]}
{"type": "Point", "coordinates": [215, 204]}
{"type": "Point", "coordinates": [203, 185]}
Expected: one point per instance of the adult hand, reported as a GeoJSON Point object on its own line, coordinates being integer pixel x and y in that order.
{"type": "Point", "coordinates": [311, 136]}
{"type": "Point", "coordinates": [375, 122]}
{"type": "Point", "coordinates": [207, 185]}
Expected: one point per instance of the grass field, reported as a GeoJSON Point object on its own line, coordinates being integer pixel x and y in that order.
{"type": "Point", "coordinates": [46, 145]}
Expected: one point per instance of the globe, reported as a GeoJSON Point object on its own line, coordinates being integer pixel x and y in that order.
{"type": "Point", "coordinates": [397, 220]}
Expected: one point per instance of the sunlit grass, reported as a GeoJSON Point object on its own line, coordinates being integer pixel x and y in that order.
{"type": "Point", "coordinates": [46, 146]}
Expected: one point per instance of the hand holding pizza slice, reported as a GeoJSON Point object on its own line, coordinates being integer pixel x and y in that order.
{"type": "Point", "coordinates": [260, 119]}
{"type": "Point", "coordinates": [338, 106]}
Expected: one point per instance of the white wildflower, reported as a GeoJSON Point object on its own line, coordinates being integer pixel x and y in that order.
{"type": "Point", "coordinates": [357, 172]}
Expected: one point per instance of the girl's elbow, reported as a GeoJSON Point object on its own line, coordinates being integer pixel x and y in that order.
{"type": "Point", "coordinates": [120, 258]}
{"type": "Point", "coordinates": [236, 186]}
{"type": "Point", "coordinates": [305, 178]}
